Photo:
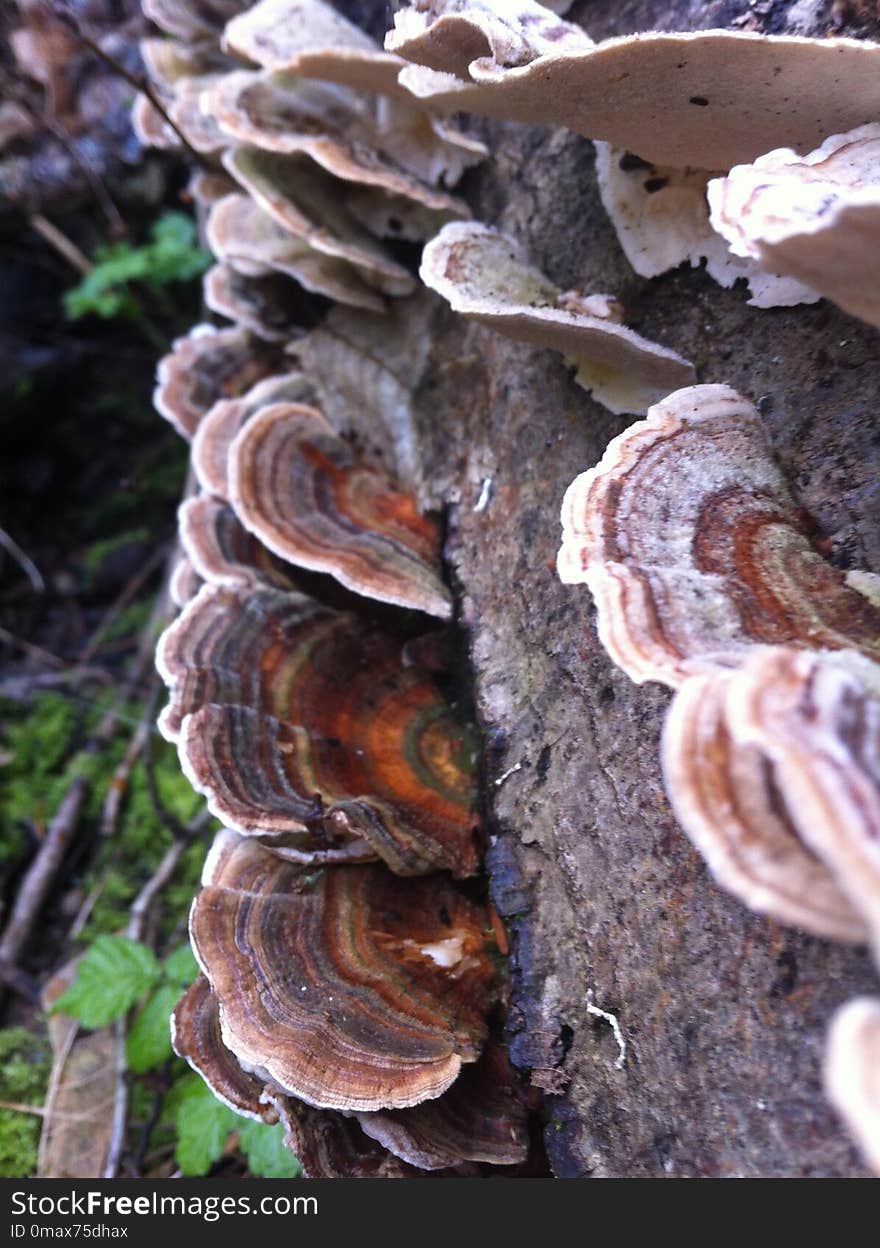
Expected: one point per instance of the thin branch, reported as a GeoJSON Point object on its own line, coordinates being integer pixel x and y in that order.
{"type": "Point", "coordinates": [41, 873]}
{"type": "Point", "coordinates": [24, 561]}
{"type": "Point", "coordinates": [67, 249]}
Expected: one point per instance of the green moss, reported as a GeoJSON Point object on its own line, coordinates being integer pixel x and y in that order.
{"type": "Point", "coordinates": [36, 745]}
{"type": "Point", "coordinates": [24, 1073]}
{"type": "Point", "coordinates": [99, 552]}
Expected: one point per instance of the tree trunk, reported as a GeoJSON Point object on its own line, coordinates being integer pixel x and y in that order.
{"type": "Point", "coordinates": [723, 1013]}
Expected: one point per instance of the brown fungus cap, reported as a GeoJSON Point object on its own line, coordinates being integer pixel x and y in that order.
{"type": "Point", "coordinates": [726, 796]}
{"type": "Point", "coordinates": [816, 217]}
{"type": "Point", "coordinates": [694, 550]}
{"type": "Point", "coordinates": [223, 422]}
{"type": "Point", "coordinates": [222, 552]}
{"type": "Point", "coordinates": [448, 35]}
{"type": "Point", "coordinates": [661, 216]}
{"type": "Point", "coordinates": [195, 1036]}
{"type": "Point", "coordinates": [294, 719]}
{"type": "Point", "coordinates": [352, 989]}
{"type": "Point", "coordinates": [206, 365]}
{"type": "Point", "coordinates": [706, 99]}
{"type": "Point", "coordinates": [265, 305]}
{"type": "Point", "coordinates": [481, 1118]}
{"type": "Point", "coordinates": [484, 275]}
{"type": "Point", "coordinates": [184, 582]}
{"type": "Point", "coordinates": [852, 1073]}
{"type": "Point", "coordinates": [310, 38]}
{"type": "Point", "coordinates": [245, 237]}
{"type": "Point", "coordinates": [306, 202]}
{"type": "Point", "coordinates": [167, 61]}
{"type": "Point", "coordinates": [330, 1145]}
{"type": "Point", "coordinates": [307, 496]}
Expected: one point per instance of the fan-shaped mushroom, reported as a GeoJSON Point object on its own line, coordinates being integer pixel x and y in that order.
{"type": "Point", "coordinates": [352, 989]}
{"type": "Point", "coordinates": [484, 275]}
{"type": "Point", "coordinates": [693, 548]}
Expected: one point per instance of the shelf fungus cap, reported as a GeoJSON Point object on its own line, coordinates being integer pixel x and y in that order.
{"type": "Point", "coordinates": [852, 1073]}
{"type": "Point", "coordinates": [305, 202]}
{"type": "Point", "coordinates": [330, 1145]}
{"type": "Point", "coordinates": [221, 550]}
{"type": "Point", "coordinates": [706, 99]}
{"type": "Point", "coordinates": [310, 38]}
{"type": "Point", "coordinates": [661, 217]}
{"type": "Point", "coordinates": [245, 237]}
{"type": "Point", "coordinates": [448, 35]}
{"type": "Point", "coordinates": [306, 495]}
{"type": "Point", "coordinates": [351, 989]}
{"type": "Point", "coordinates": [223, 422]}
{"type": "Point", "coordinates": [816, 717]}
{"type": "Point", "coordinates": [294, 720]}
{"type": "Point", "coordinates": [195, 1036]}
{"type": "Point", "coordinates": [484, 275]}
{"type": "Point", "coordinates": [265, 305]}
{"type": "Point", "coordinates": [694, 550]}
{"type": "Point", "coordinates": [206, 365]}
{"type": "Point", "coordinates": [726, 796]}
{"type": "Point", "coordinates": [292, 117]}
{"type": "Point", "coordinates": [481, 1118]}
{"type": "Point", "coordinates": [815, 217]}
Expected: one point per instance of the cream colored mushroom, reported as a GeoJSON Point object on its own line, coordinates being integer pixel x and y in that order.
{"type": "Point", "coordinates": [815, 217]}
{"type": "Point", "coordinates": [484, 275]}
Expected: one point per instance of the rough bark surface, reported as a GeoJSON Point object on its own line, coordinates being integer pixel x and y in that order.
{"type": "Point", "coordinates": [723, 1013]}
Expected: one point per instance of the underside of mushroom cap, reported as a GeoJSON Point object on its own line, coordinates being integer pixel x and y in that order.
{"type": "Point", "coordinates": [816, 217]}
{"type": "Point", "coordinates": [694, 550]}
{"type": "Point", "coordinates": [661, 217]}
{"type": "Point", "coordinates": [352, 989]}
{"type": "Point", "coordinates": [484, 275]}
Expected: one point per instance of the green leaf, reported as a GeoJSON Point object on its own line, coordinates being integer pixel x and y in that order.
{"type": "Point", "coordinates": [148, 1044]}
{"type": "Point", "coordinates": [265, 1151]}
{"type": "Point", "coordinates": [180, 967]}
{"type": "Point", "coordinates": [114, 973]}
{"type": "Point", "coordinates": [203, 1125]}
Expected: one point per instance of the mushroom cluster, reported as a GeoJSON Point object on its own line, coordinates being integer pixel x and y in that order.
{"type": "Point", "coordinates": [669, 113]}
{"type": "Point", "coordinates": [350, 984]}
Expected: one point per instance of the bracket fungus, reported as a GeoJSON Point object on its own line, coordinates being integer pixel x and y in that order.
{"type": "Point", "coordinates": [206, 365]}
{"type": "Point", "coordinates": [246, 238]}
{"type": "Point", "coordinates": [305, 203]}
{"type": "Point", "coordinates": [352, 989]}
{"type": "Point", "coordinates": [266, 305]}
{"type": "Point", "coordinates": [224, 421]}
{"type": "Point", "coordinates": [661, 217]}
{"type": "Point", "coordinates": [450, 35]}
{"type": "Point", "coordinates": [852, 1073]}
{"type": "Point", "coordinates": [484, 275]}
{"type": "Point", "coordinates": [221, 551]}
{"type": "Point", "coordinates": [705, 99]}
{"type": "Point", "coordinates": [292, 718]}
{"type": "Point", "coordinates": [726, 795]}
{"type": "Point", "coordinates": [195, 1036]}
{"type": "Point", "coordinates": [694, 550]}
{"type": "Point", "coordinates": [307, 496]}
{"type": "Point", "coordinates": [816, 217]}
